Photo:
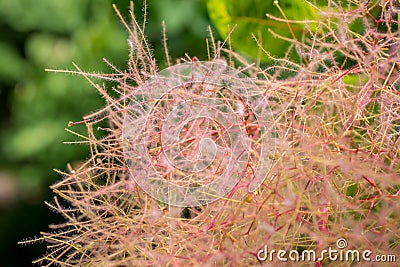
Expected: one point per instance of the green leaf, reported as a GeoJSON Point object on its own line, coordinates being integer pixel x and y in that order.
{"type": "Point", "coordinates": [250, 17]}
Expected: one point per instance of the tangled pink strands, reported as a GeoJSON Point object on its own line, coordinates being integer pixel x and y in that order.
{"type": "Point", "coordinates": [172, 183]}
{"type": "Point", "coordinates": [190, 119]}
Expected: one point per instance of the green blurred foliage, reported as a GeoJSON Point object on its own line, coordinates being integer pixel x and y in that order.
{"type": "Point", "coordinates": [250, 17]}
{"type": "Point", "coordinates": [53, 33]}
{"type": "Point", "coordinates": [251, 21]}
{"type": "Point", "coordinates": [36, 106]}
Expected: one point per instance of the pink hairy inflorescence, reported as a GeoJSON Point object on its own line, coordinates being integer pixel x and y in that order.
{"type": "Point", "coordinates": [205, 163]}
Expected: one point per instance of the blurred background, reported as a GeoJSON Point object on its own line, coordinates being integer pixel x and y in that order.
{"type": "Point", "coordinates": [35, 105]}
